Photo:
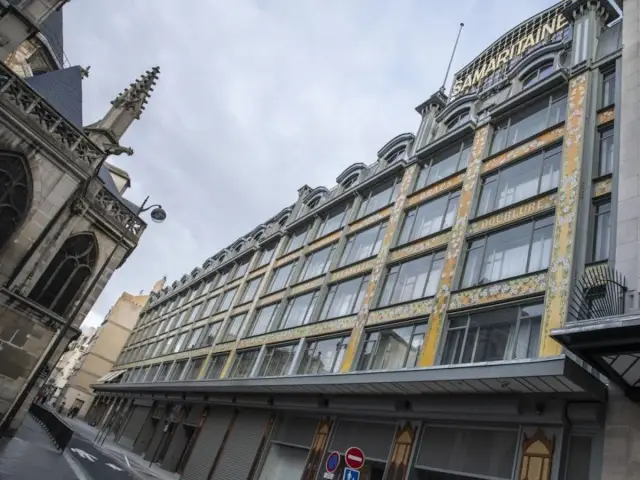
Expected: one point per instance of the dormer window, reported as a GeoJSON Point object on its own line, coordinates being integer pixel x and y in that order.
{"type": "Point", "coordinates": [540, 73]}
{"type": "Point", "coordinates": [313, 203]}
{"type": "Point", "coordinates": [458, 120]}
{"type": "Point", "coordinates": [395, 156]}
{"type": "Point", "coordinates": [350, 182]}
{"type": "Point", "coordinates": [238, 248]}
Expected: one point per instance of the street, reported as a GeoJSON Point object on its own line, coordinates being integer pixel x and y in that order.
{"type": "Point", "coordinates": [96, 464]}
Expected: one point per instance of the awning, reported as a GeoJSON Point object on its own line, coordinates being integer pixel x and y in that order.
{"type": "Point", "coordinates": [111, 376]}
{"type": "Point", "coordinates": [611, 345]}
{"type": "Point", "coordinates": [556, 375]}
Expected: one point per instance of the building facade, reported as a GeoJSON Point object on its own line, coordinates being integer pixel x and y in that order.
{"type": "Point", "coordinates": [408, 309]}
{"type": "Point", "coordinates": [64, 223]}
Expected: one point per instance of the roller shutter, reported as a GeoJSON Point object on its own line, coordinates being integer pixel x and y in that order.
{"type": "Point", "coordinates": [207, 444]}
{"type": "Point", "coordinates": [195, 412]}
{"type": "Point", "coordinates": [242, 445]}
{"type": "Point", "coordinates": [375, 439]}
{"type": "Point", "coordinates": [295, 430]}
{"type": "Point", "coordinates": [134, 425]}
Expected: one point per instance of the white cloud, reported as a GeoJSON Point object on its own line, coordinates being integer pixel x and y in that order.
{"type": "Point", "coordinates": [257, 98]}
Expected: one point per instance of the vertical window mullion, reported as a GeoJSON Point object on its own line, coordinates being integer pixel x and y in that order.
{"type": "Point", "coordinates": [531, 236]}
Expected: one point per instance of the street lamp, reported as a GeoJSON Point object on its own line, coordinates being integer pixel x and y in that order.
{"type": "Point", "coordinates": [158, 215]}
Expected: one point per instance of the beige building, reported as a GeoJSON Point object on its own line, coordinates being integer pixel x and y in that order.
{"type": "Point", "coordinates": [69, 362]}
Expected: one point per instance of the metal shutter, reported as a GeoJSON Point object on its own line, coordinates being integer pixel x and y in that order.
{"type": "Point", "coordinates": [207, 444]}
{"type": "Point", "coordinates": [193, 418]}
{"type": "Point", "coordinates": [146, 435]}
{"type": "Point", "coordinates": [241, 446]}
{"type": "Point", "coordinates": [158, 434]}
{"type": "Point", "coordinates": [374, 439]}
{"type": "Point", "coordinates": [295, 430]}
{"type": "Point", "coordinates": [134, 425]}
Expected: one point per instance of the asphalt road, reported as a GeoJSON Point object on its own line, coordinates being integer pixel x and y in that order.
{"type": "Point", "coordinates": [96, 464]}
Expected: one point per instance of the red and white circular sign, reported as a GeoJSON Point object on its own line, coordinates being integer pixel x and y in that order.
{"type": "Point", "coordinates": [354, 458]}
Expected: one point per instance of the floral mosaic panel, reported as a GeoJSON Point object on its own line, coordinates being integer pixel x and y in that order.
{"type": "Point", "coordinates": [303, 287]}
{"type": "Point", "coordinates": [287, 258]}
{"type": "Point", "coordinates": [370, 220]}
{"type": "Point", "coordinates": [454, 249]}
{"type": "Point", "coordinates": [222, 347]}
{"type": "Point", "coordinates": [496, 292]}
{"type": "Point", "coordinates": [523, 150]}
{"type": "Point", "coordinates": [406, 310]}
{"type": "Point", "coordinates": [416, 248]}
{"type": "Point", "coordinates": [602, 187]}
{"type": "Point", "coordinates": [241, 309]}
{"type": "Point", "coordinates": [220, 316]}
{"type": "Point", "coordinates": [353, 270]}
{"type": "Point", "coordinates": [257, 273]}
{"type": "Point", "coordinates": [606, 116]}
{"type": "Point", "coordinates": [271, 298]}
{"type": "Point", "coordinates": [332, 237]}
{"type": "Point", "coordinates": [561, 268]}
{"type": "Point", "coordinates": [435, 190]}
{"type": "Point", "coordinates": [513, 214]}
{"type": "Point", "coordinates": [378, 268]}
{"type": "Point", "coordinates": [310, 330]}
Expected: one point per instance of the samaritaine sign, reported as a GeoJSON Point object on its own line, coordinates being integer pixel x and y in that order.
{"type": "Point", "coordinates": [534, 33]}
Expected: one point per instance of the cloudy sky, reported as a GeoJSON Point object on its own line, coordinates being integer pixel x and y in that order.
{"type": "Point", "coordinates": [259, 97]}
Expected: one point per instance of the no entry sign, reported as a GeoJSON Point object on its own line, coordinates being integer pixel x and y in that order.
{"type": "Point", "coordinates": [333, 460]}
{"type": "Point", "coordinates": [354, 458]}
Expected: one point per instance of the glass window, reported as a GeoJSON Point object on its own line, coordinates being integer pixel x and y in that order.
{"type": "Point", "coordinates": [608, 88]}
{"type": "Point", "coordinates": [222, 279]}
{"type": "Point", "coordinates": [208, 310]}
{"type": "Point", "coordinates": [277, 360]}
{"type": "Point", "coordinates": [493, 335]}
{"type": "Point", "coordinates": [458, 120]}
{"type": "Point", "coordinates": [444, 163]}
{"type": "Point", "coordinates": [363, 244]}
{"type": "Point", "coordinates": [250, 290]}
{"type": "Point", "coordinates": [168, 347]}
{"type": "Point", "coordinates": [193, 369]}
{"type": "Point", "coordinates": [606, 152]}
{"type": "Point", "coordinates": [193, 314]}
{"type": "Point", "coordinates": [195, 339]}
{"type": "Point", "coordinates": [284, 462]}
{"type": "Point", "coordinates": [263, 321]}
{"type": "Point", "coordinates": [538, 74]}
{"type": "Point", "coordinates": [153, 373]}
{"type": "Point", "coordinates": [281, 277]}
{"type": "Point", "coordinates": [323, 356]}
{"type": "Point", "coordinates": [429, 218]}
{"type": "Point", "coordinates": [233, 328]}
{"type": "Point", "coordinates": [163, 372]}
{"type": "Point", "coordinates": [522, 249]}
{"type": "Point", "coordinates": [525, 179]}
{"type": "Point", "coordinates": [344, 298]}
{"type": "Point", "coordinates": [243, 363]}
{"type": "Point", "coordinates": [266, 255]}
{"type": "Point", "coordinates": [227, 298]}
{"type": "Point", "coordinates": [241, 269]}
{"type": "Point", "coordinates": [180, 342]}
{"type": "Point", "coordinates": [411, 280]}
{"type": "Point", "coordinates": [299, 310]}
{"type": "Point", "coordinates": [212, 332]}
{"type": "Point", "coordinates": [333, 220]}
{"type": "Point", "coordinates": [392, 348]}
{"type": "Point", "coordinates": [530, 121]}
{"type": "Point", "coordinates": [298, 239]}
{"type": "Point", "coordinates": [601, 231]}
{"type": "Point", "coordinates": [397, 155]}
{"type": "Point", "coordinates": [379, 197]}
{"type": "Point", "coordinates": [178, 370]}
{"type": "Point", "coordinates": [192, 293]}
{"type": "Point", "coordinates": [317, 263]}
{"type": "Point", "coordinates": [216, 365]}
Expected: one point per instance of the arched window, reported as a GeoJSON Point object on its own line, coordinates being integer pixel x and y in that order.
{"type": "Point", "coordinates": [66, 275]}
{"type": "Point", "coordinates": [15, 195]}
{"type": "Point", "coordinates": [458, 120]}
{"type": "Point", "coordinates": [540, 73]}
{"type": "Point", "coordinates": [395, 156]}
{"type": "Point", "coordinates": [313, 203]}
{"type": "Point", "coordinates": [350, 182]}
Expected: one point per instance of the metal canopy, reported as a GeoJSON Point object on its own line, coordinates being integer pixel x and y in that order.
{"type": "Point", "coordinates": [557, 375]}
{"type": "Point", "coordinates": [111, 376]}
{"type": "Point", "coordinates": [611, 345]}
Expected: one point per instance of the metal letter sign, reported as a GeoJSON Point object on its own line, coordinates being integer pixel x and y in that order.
{"type": "Point", "coordinates": [351, 474]}
{"type": "Point", "coordinates": [333, 461]}
{"type": "Point", "coordinates": [354, 458]}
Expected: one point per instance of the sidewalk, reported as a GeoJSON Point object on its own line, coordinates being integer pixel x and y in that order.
{"type": "Point", "coordinates": [31, 455]}
{"type": "Point", "coordinates": [138, 465]}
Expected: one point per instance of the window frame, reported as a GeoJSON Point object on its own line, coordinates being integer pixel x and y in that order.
{"type": "Point", "coordinates": [308, 314]}
{"type": "Point", "coordinates": [415, 324]}
{"type": "Point", "coordinates": [608, 78]}
{"type": "Point", "coordinates": [438, 255]}
{"type": "Point", "coordinates": [309, 258]}
{"type": "Point", "coordinates": [392, 186]}
{"type": "Point", "coordinates": [342, 344]}
{"type": "Point", "coordinates": [287, 282]}
{"type": "Point", "coordinates": [593, 237]}
{"type": "Point", "coordinates": [343, 261]}
{"type": "Point", "coordinates": [328, 300]}
{"type": "Point", "coordinates": [411, 237]}
{"type": "Point", "coordinates": [606, 133]}
{"type": "Point", "coordinates": [343, 209]}
{"type": "Point", "coordinates": [424, 180]}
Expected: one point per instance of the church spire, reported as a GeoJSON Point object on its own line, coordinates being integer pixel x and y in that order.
{"type": "Point", "coordinates": [125, 108]}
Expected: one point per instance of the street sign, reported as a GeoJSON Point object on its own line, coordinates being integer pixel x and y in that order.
{"type": "Point", "coordinates": [354, 458]}
{"type": "Point", "coordinates": [351, 474]}
{"type": "Point", "coordinates": [333, 461]}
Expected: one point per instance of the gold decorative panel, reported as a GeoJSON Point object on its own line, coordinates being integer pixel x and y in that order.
{"type": "Point", "coordinates": [220, 316]}
{"type": "Point", "coordinates": [318, 447]}
{"type": "Point", "coordinates": [398, 312]}
{"type": "Point", "coordinates": [271, 298]}
{"type": "Point", "coordinates": [241, 309]}
{"type": "Point", "coordinates": [222, 347]}
{"type": "Point", "coordinates": [435, 190]}
{"type": "Point", "coordinates": [258, 272]}
{"type": "Point", "coordinates": [513, 214]}
{"type": "Point", "coordinates": [602, 187]}
{"type": "Point", "coordinates": [326, 240]}
{"type": "Point", "coordinates": [370, 220]}
{"type": "Point", "coordinates": [454, 249]}
{"type": "Point", "coordinates": [424, 246]}
{"type": "Point", "coordinates": [378, 268]}
{"type": "Point", "coordinates": [353, 270]}
{"type": "Point", "coordinates": [523, 150]}
{"type": "Point", "coordinates": [496, 292]}
{"type": "Point", "coordinates": [304, 287]}
{"type": "Point", "coordinates": [564, 234]}
{"type": "Point", "coordinates": [402, 447]}
{"type": "Point", "coordinates": [537, 455]}
{"type": "Point", "coordinates": [310, 330]}
{"type": "Point", "coordinates": [606, 116]}
{"type": "Point", "coordinates": [287, 258]}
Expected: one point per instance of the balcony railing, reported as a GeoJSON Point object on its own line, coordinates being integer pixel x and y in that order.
{"type": "Point", "coordinates": [600, 292]}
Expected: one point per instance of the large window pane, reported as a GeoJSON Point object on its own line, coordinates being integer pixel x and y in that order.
{"type": "Point", "coordinates": [601, 231]}
{"type": "Point", "coordinates": [417, 278]}
{"type": "Point", "coordinates": [281, 277]}
{"type": "Point", "coordinates": [277, 360]}
{"type": "Point", "coordinates": [241, 269]}
{"type": "Point", "coordinates": [299, 310]}
{"type": "Point", "coordinates": [211, 334]}
{"type": "Point", "coordinates": [216, 365]}
{"type": "Point", "coordinates": [392, 348]}
{"type": "Point", "coordinates": [606, 152]}
{"type": "Point", "coordinates": [317, 263]}
{"type": "Point", "coordinates": [429, 218]}
{"type": "Point", "coordinates": [263, 320]}
{"type": "Point", "coordinates": [608, 89]}
{"type": "Point", "coordinates": [243, 363]}
{"type": "Point", "coordinates": [379, 197]}
{"type": "Point", "coordinates": [333, 220]}
{"type": "Point", "coordinates": [323, 356]}
{"type": "Point", "coordinates": [363, 244]}
{"type": "Point", "coordinates": [298, 239]}
{"type": "Point", "coordinates": [266, 255]}
{"type": "Point", "coordinates": [499, 334]}
{"type": "Point", "coordinates": [444, 163]}
{"type": "Point", "coordinates": [284, 462]}
{"type": "Point", "coordinates": [233, 328]}
{"type": "Point", "coordinates": [227, 298]}
{"type": "Point", "coordinates": [344, 298]}
{"type": "Point", "coordinates": [250, 290]}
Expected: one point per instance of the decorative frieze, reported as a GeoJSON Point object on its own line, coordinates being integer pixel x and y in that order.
{"type": "Point", "coordinates": [241, 309]}
{"type": "Point", "coordinates": [370, 220]}
{"type": "Point", "coordinates": [306, 286]}
{"type": "Point", "coordinates": [326, 240]}
{"type": "Point", "coordinates": [222, 347]}
{"type": "Point", "coordinates": [431, 243]}
{"type": "Point", "coordinates": [606, 116]}
{"type": "Point", "coordinates": [497, 292]}
{"type": "Point", "coordinates": [271, 298]}
{"type": "Point", "coordinates": [602, 187]}
{"type": "Point", "coordinates": [433, 191]}
{"type": "Point", "coordinates": [515, 214]}
{"type": "Point", "coordinates": [287, 258]}
{"type": "Point", "coordinates": [420, 308]}
{"type": "Point", "coordinates": [256, 273]}
{"type": "Point", "coordinates": [113, 209]}
{"type": "Point", "coordinates": [352, 270]}
{"type": "Point", "coordinates": [523, 150]}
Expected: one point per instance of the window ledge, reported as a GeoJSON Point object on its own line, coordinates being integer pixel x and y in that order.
{"type": "Point", "coordinates": [420, 240]}
{"type": "Point", "coordinates": [497, 282]}
{"type": "Point", "coordinates": [517, 204]}
{"type": "Point", "coordinates": [526, 140]}
{"type": "Point", "coordinates": [400, 304]}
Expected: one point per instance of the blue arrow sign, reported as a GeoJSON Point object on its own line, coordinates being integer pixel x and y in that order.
{"type": "Point", "coordinates": [351, 474]}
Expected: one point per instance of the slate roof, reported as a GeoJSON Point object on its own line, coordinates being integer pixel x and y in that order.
{"type": "Point", "coordinates": [52, 29]}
